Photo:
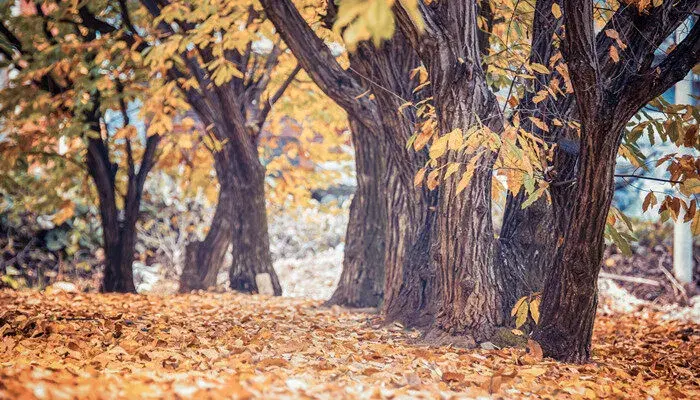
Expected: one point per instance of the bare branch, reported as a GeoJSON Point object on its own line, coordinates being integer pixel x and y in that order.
{"type": "Point", "coordinates": [276, 96]}
{"type": "Point", "coordinates": [655, 81]}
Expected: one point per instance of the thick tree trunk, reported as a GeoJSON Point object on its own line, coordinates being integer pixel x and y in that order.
{"type": "Point", "coordinates": [362, 280]}
{"type": "Point", "coordinates": [409, 279]}
{"type": "Point", "coordinates": [570, 293]}
{"type": "Point", "coordinates": [251, 243]}
{"type": "Point", "coordinates": [530, 236]}
{"type": "Point", "coordinates": [204, 259]}
{"type": "Point", "coordinates": [464, 248]}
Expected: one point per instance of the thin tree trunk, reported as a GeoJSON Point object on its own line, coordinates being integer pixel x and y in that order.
{"type": "Point", "coordinates": [117, 276]}
{"type": "Point", "coordinates": [362, 280]}
{"type": "Point", "coordinates": [204, 259]}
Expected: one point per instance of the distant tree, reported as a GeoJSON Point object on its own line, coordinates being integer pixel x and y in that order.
{"type": "Point", "coordinates": [69, 71]}
{"type": "Point", "coordinates": [231, 78]}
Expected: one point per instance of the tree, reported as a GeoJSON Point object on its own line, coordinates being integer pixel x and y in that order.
{"type": "Point", "coordinates": [476, 271]}
{"type": "Point", "coordinates": [363, 264]}
{"type": "Point", "coordinates": [606, 99]}
{"type": "Point", "coordinates": [229, 84]}
{"type": "Point", "coordinates": [70, 71]}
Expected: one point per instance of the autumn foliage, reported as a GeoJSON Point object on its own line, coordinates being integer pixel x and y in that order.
{"type": "Point", "coordinates": [63, 345]}
{"type": "Point", "coordinates": [488, 138]}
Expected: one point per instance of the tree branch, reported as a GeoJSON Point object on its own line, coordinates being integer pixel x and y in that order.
{"type": "Point", "coordinates": [315, 57]}
{"type": "Point", "coordinates": [276, 96]}
{"type": "Point", "coordinates": [655, 81]}
{"type": "Point", "coordinates": [581, 57]}
{"type": "Point", "coordinates": [649, 178]}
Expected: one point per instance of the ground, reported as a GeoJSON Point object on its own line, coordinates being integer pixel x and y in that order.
{"type": "Point", "coordinates": [58, 345]}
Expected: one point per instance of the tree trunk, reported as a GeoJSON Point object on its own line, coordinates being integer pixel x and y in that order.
{"type": "Point", "coordinates": [570, 293]}
{"type": "Point", "coordinates": [530, 236]}
{"type": "Point", "coordinates": [464, 251]}
{"type": "Point", "coordinates": [251, 243]}
{"type": "Point", "coordinates": [117, 276]}
{"type": "Point", "coordinates": [119, 237]}
{"type": "Point", "coordinates": [362, 280]}
{"type": "Point", "coordinates": [409, 279]}
{"type": "Point", "coordinates": [204, 259]}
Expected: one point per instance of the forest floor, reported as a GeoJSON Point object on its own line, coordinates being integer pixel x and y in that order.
{"type": "Point", "coordinates": [56, 345]}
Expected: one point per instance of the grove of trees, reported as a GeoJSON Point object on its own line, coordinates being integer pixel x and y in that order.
{"type": "Point", "coordinates": [458, 111]}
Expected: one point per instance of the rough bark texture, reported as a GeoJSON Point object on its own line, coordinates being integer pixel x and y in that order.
{"type": "Point", "coordinates": [529, 236]}
{"type": "Point", "coordinates": [463, 245]}
{"type": "Point", "coordinates": [408, 278]}
{"type": "Point", "coordinates": [361, 282]}
{"type": "Point", "coordinates": [528, 244]}
{"type": "Point", "coordinates": [570, 296]}
{"type": "Point", "coordinates": [607, 95]}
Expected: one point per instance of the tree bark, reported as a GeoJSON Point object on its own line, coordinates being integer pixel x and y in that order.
{"type": "Point", "coordinates": [570, 296]}
{"type": "Point", "coordinates": [204, 259]}
{"type": "Point", "coordinates": [607, 96]}
{"type": "Point", "coordinates": [118, 276]}
{"type": "Point", "coordinates": [409, 279]}
{"type": "Point", "coordinates": [386, 72]}
{"type": "Point", "coordinates": [362, 279]}
{"type": "Point", "coordinates": [119, 237]}
{"type": "Point", "coordinates": [463, 250]}
{"type": "Point", "coordinates": [251, 242]}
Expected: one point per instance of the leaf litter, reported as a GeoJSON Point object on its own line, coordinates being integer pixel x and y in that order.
{"type": "Point", "coordinates": [56, 345]}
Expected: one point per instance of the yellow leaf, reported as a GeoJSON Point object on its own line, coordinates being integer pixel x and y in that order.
{"type": "Point", "coordinates": [556, 10]}
{"type": "Point", "coordinates": [439, 147]}
{"type": "Point", "coordinates": [433, 179]}
{"type": "Point", "coordinates": [517, 306]}
{"type": "Point", "coordinates": [404, 106]}
{"type": "Point", "coordinates": [455, 139]}
{"type": "Point", "coordinates": [539, 123]}
{"type": "Point", "coordinates": [614, 54]}
{"type": "Point", "coordinates": [541, 95]}
{"type": "Point", "coordinates": [539, 68]}
{"type": "Point", "coordinates": [419, 177]}
{"type": "Point", "coordinates": [463, 182]}
{"type": "Point", "coordinates": [535, 309]}
{"type": "Point", "coordinates": [521, 315]}
{"type": "Point", "coordinates": [422, 139]}
{"type": "Point", "coordinates": [451, 169]}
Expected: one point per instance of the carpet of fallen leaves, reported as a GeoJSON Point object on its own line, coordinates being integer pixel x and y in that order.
{"type": "Point", "coordinates": [56, 345]}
